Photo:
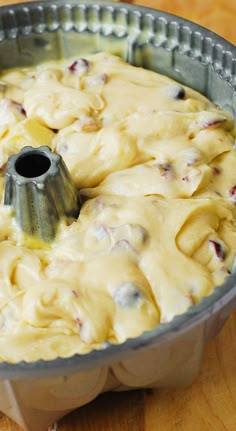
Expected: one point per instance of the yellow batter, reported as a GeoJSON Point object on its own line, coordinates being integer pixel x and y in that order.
{"type": "Point", "coordinates": [155, 166]}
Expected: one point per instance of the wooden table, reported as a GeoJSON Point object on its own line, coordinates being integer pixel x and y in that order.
{"type": "Point", "coordinates": [210, 403]}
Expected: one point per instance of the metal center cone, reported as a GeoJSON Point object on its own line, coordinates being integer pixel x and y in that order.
{"type": "Point", "coordinates": [39, 187]}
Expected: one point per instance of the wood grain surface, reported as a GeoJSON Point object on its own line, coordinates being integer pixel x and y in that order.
{"type": "Point", "coordinates": [210, 403]}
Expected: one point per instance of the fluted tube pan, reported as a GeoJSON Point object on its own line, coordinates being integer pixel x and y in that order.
{"type": "Point", "coordinates": [41, 191]}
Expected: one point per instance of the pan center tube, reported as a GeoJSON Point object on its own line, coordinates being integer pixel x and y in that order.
{"type": "Point", "coordinates": [33, 164]}
{"type": "Point", "coordinates": [41, 191]}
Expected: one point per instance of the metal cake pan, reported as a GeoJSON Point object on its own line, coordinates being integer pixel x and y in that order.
{"type": "Point", "coordinates": [36, 394]}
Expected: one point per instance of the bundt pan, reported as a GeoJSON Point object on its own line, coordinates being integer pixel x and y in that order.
{"type": "Point", "coordinates": [36, 394]}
